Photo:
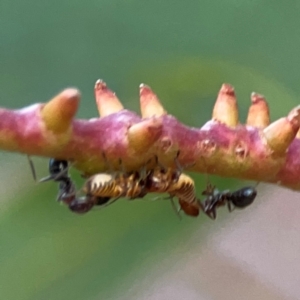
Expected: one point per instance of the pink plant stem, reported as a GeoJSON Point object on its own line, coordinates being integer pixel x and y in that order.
{"type": "Point", "coordinates": [258, 150]}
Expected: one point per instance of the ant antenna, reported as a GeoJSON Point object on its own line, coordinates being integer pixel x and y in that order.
{"type": "Point", "coordinates": [57, 176]}
{"type": "Point", "coordinates": [179, 167]}
{"type": "Point", "coordinates": [31, 164]}
{"type": "Point", "coordinates": [209, 190]}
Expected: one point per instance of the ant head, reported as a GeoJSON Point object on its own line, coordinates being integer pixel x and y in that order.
{"type": "Point", "coordinates": [57, 166]}
{"type": "Point", "coordinates": [246, 197]}
{"type": "Point", "coordinates": [58, 170]}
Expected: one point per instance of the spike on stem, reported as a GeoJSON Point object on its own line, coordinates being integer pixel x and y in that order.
{"type": "Point", "coordinates": [271, 154]}
{"type": "Point", "coordinates": [258, 114]}
{"type": "Point", "coordinates": [150, 104]}
{"type": "Point", "coordinates": [59, 112]}
{"type": "Point", "coordinates": [143, 135]}
{"type": "Point", "coordinates": [107, 101]}
{"type": "Point", "coordinates": [281, 133]}
{"type": "Point", "coordinates": [225, 110]}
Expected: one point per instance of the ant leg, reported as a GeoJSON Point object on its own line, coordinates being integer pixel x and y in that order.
{"type": "Point", "coordinates": [208, 208]}
{"type": "Point", "coordinates": [67, 192]}
{"type": "Point", "coordinates": [112, 201]}
{"type": "Point", "coordinates": [176, 209]}
{"type": "Point", "coordinates": [32, 167]}
{"type": "Point", "coordinates": [257, 183]}
{"type": "Point", "coordinates": [144, 172]}
{"type": "Point", "coordinates": [121, 165]}
{"type": "Point", "coordinates": [230, 207]}
{"type": "Point", "coordinates": [108, 164]}
{"type": "Point", "coordinates": [150, 160]}
{"type": "Point", "coordinates": [179, 167]}
{"type": "Point", "coordinates": [156, 198]}
{"type": "Point", "coordinates": [211, 213]}
{"type": "Point", "coordinates": [210, 189]}
{"type": "Point", "coordinates": [111, 169]}
{"type": "Point", "coordinates": [157, 162]}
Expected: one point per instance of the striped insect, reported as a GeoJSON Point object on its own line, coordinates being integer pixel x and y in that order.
{"type": "Point", "coordinates": [176, 184]}
{"type": "Point", "coordinates": [184, 190]}
{"type": "Point", "coordinates": [240, 198]}
{"type": "Point", "coordinates": [129, 185]}
{"type": "Point", "coordinates": [156, 180]}
{"type": "Point", "coordinates": [103, 189]}
{"type": "Point", "coordinates": [135, 185]}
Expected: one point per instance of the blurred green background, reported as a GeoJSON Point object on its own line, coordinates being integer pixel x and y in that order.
{"type": "Point", "coordinates": [184, 50]}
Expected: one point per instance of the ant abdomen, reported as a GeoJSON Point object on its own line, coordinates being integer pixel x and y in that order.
{"type": "Point", "coordinates": [243, 197]}
{"type": "Point", "coordinates": [80, 207]}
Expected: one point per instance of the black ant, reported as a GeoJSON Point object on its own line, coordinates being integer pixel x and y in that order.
{"type": "Point", "coordinates": [58, 170]}
{"type": "Point", "coordinates": [240, 198]}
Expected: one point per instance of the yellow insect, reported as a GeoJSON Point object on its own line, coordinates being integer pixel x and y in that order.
{"type": "Point", "coordinates": [157, 180]}
{"type": "Point", "coordinates": [184, 190]}
{"type": "Point", "coordinates": [121, 184]}
{"type": "Point", "coordinates": [176, 184]}
{"type": "Point", "coordinates": [105, 188]}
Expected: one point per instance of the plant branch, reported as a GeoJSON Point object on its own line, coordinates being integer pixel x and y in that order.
{"type": "Point", "coordinates": [257, 151]}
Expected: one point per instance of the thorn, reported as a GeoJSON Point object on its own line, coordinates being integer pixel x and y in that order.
{"type": "Point", "coordinates": [142, 135]}
{"type": "Point", "coordinates": [258, 114]}
{"type": "Point", "coordinates": [107, 101]}
{"type": "Point", "coordinates": [225, 110]}
{"type": "Point", "coordinates": [59, 112]}
{"type": "Point", "coordinates": [282, 132]}
{"type": "Point", "coordinates": [150, 104]}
